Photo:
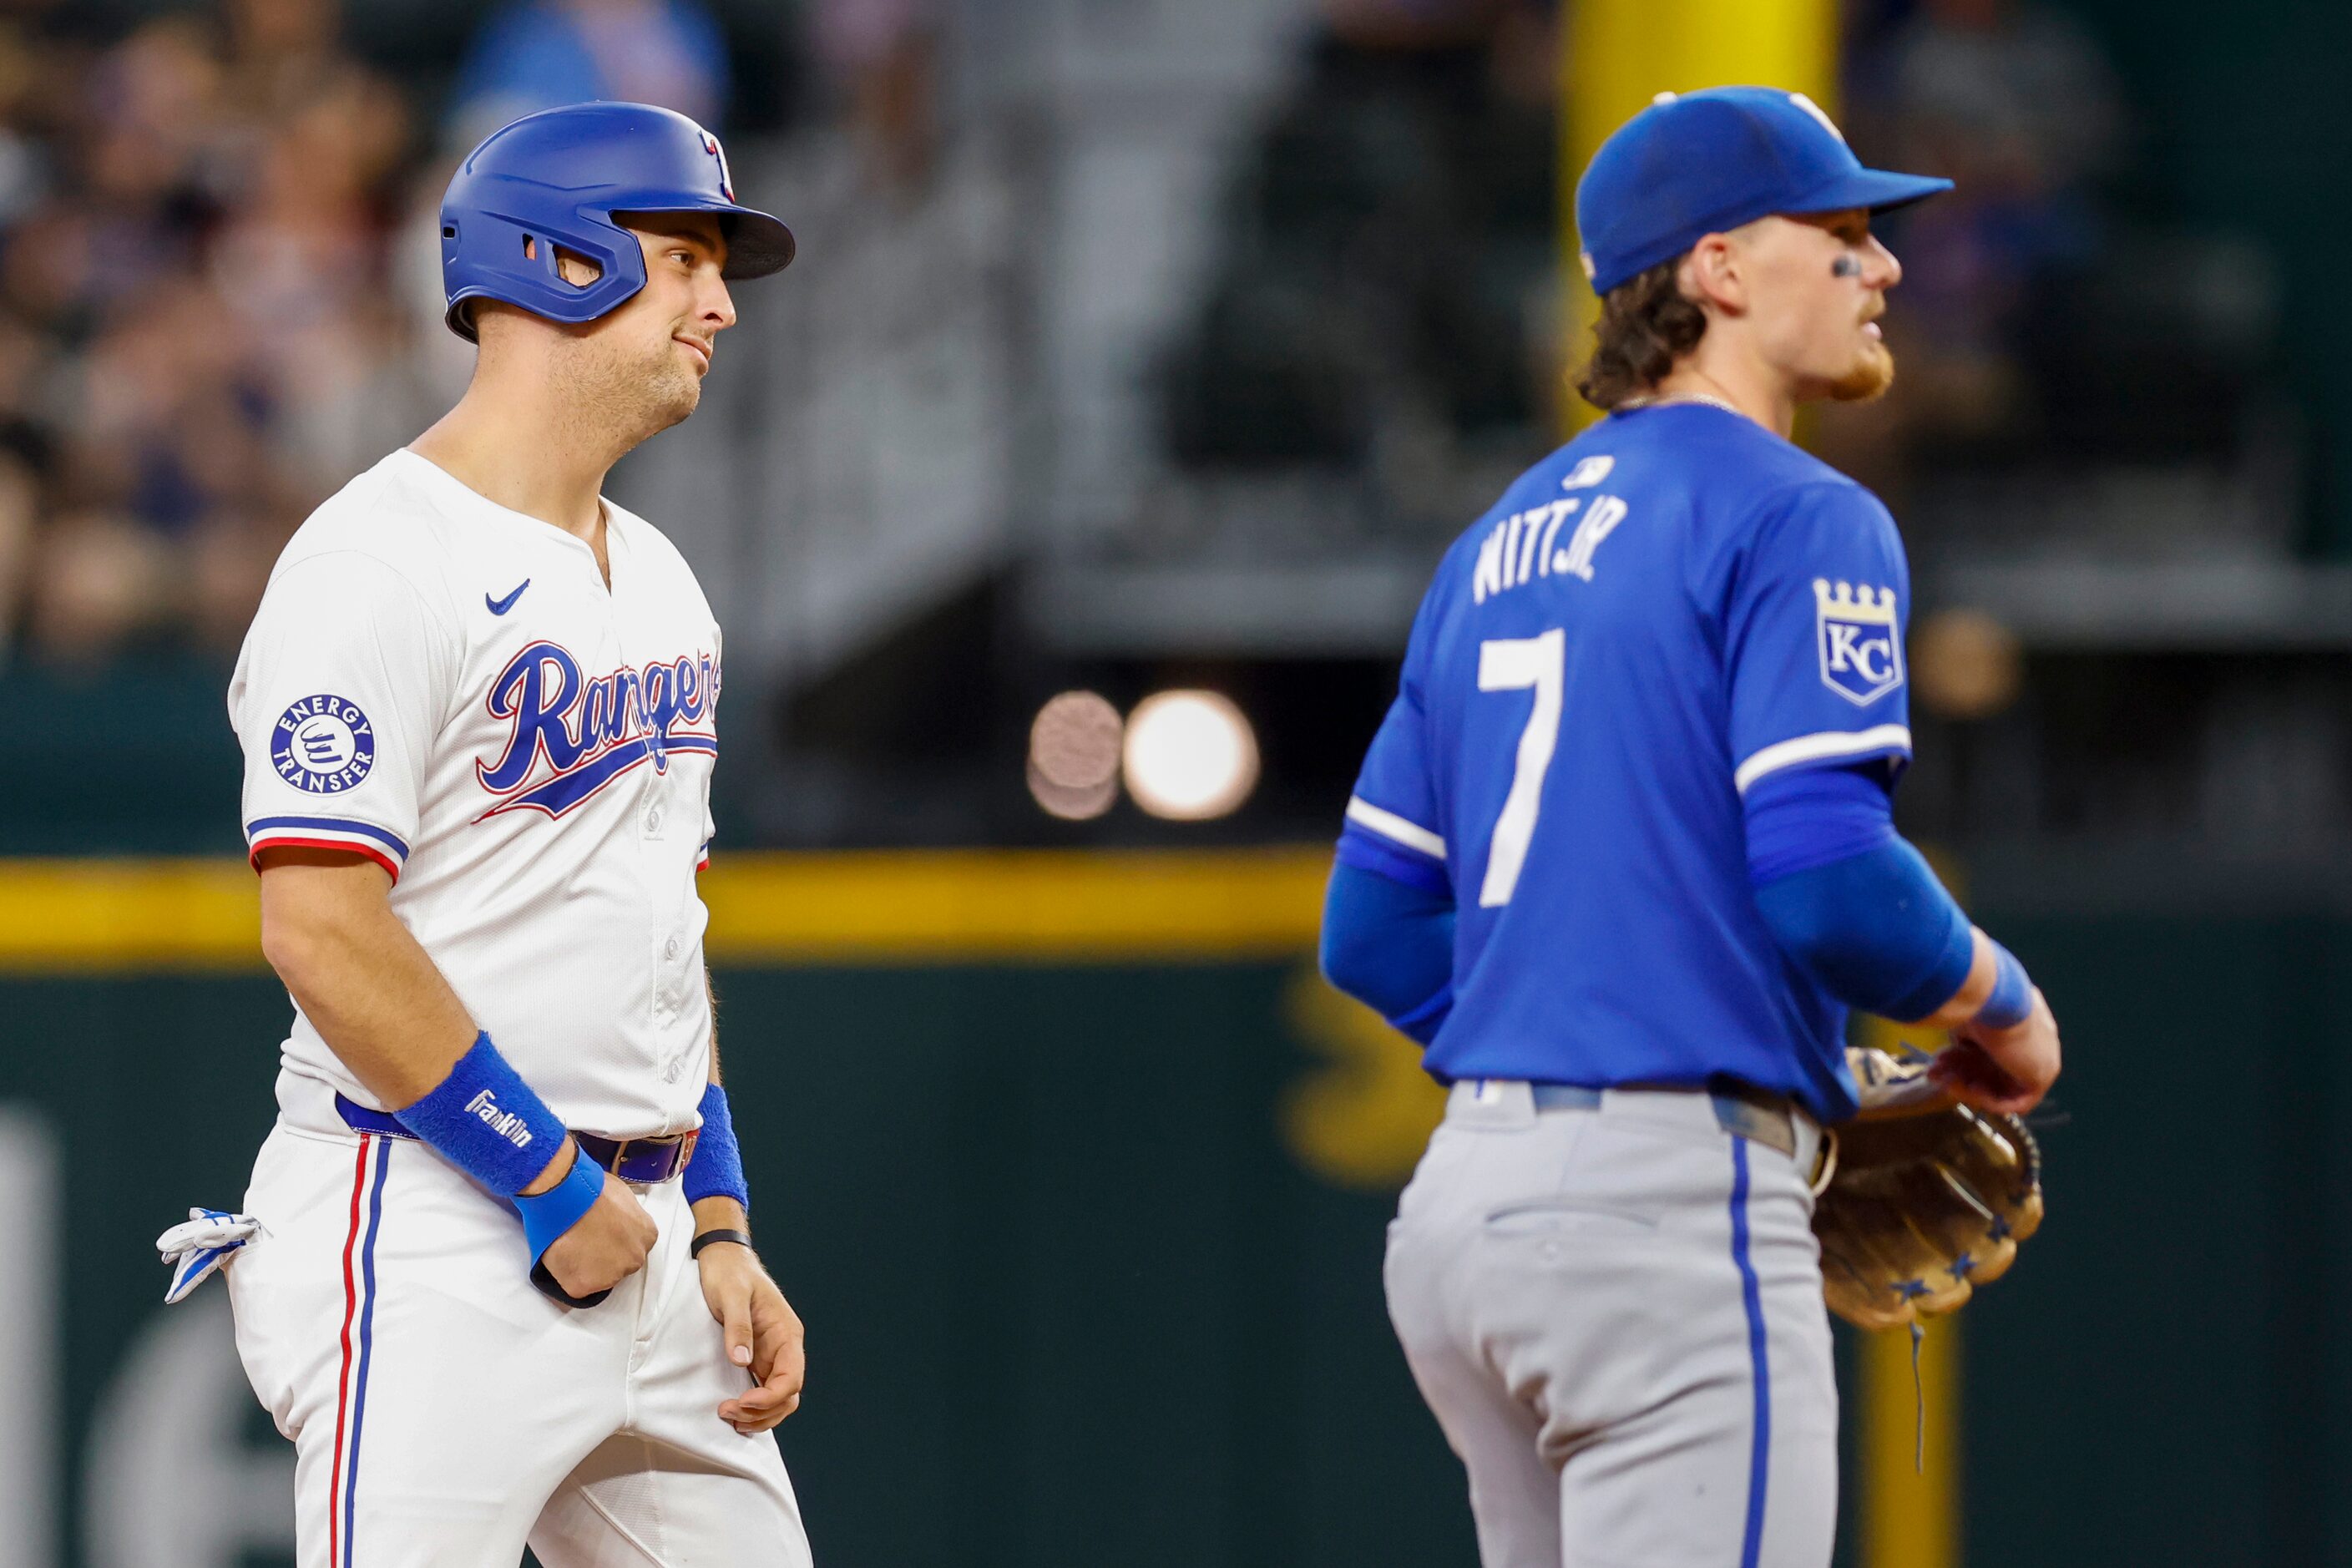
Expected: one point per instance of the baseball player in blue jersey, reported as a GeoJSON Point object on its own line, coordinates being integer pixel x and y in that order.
{"type": "Point", "coordinates": [1621, 858]}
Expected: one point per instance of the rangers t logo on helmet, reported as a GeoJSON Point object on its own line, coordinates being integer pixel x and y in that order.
{"type": "Point", "coordinates": [726, 181]}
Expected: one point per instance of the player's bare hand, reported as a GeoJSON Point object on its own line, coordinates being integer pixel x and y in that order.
{"type": "Point", "coordinates": [763, 1336]}
{"type": "Point", "coordinates": [606, 1245]}
{"type": "Point", "coordinates": [2002, 1069]}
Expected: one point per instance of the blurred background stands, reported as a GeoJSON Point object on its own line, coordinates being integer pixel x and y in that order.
{"type": "Point", "coordinates": [1139, 343]}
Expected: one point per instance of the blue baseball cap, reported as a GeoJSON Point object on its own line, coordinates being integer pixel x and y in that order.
{"type": "Point", "coordinates": [1697, 164]}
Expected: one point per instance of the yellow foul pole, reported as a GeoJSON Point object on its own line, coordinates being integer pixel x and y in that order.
{"type": "Point", "coordinates": [1621, 53]}
{"type": "Point", "coordinates": [1907, 1426]}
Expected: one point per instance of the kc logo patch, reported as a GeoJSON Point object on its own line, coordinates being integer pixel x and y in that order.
{"type": "Point", "coordinates": [322, 745]}
{"type": "Point", "coordinates": [1859, 640]}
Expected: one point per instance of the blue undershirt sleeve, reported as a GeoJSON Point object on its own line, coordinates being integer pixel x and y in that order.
{"type": "Point", "coordinates": [1811, 817]}
{"type": "Point", "coordinates": [1847, 900]}
{"type": "Point", "coordinates": [1389, 944]}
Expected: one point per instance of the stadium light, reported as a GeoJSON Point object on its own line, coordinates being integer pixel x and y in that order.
{"type": "Point", "coordinates": [1190, 755]}
{"type": "Point", "coordinates": [1074, 751]}
{"type": "Point", "coordinates": [1966, 664]}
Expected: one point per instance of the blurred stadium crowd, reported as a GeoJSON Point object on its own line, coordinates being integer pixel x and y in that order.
{"type": "Point", "coordinates": [1140, 345]}
{"type": "Point", "coordinates": [218, 280]}
{"type": "Point", "coordinates": [215, 266]}
{"type": "Point", "coordinates": [195, 224]}
{"type": "Point", "coordinates": [1385, 297]}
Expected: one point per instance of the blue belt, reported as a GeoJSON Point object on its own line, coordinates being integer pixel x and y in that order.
{"type": "Point", "coordinates": [642, 1160]}
{"type": "Point", "coordinates": [1755, 1114]}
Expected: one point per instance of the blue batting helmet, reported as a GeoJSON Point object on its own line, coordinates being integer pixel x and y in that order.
{"type": "Point", "coordinates": [560, 177]}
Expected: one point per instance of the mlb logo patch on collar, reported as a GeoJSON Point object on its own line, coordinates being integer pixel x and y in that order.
{"type": "Point", "coordinates": [1860, 638]}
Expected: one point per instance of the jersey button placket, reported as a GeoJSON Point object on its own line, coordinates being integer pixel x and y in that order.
{"type": "Point", "coordinates": [664, 1005]}
{"type": "Point", "coordinates": [648, 815]}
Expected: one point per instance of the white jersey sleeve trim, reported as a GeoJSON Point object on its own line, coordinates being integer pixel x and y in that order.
{"type": "Point", "coordinates": [1392, 826]}
{"type": "Point", "coordinates": [1821, 747]}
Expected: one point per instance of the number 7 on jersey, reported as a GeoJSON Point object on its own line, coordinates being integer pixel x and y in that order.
{"type": "Point", "coordinates": [1515, 664]}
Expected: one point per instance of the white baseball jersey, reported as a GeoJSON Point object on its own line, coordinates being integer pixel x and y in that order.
{"type": "Point", "coordinates": [450, 689]}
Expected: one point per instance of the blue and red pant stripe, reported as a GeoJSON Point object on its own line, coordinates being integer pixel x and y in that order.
{"type": "Point", "coordinates": [374, 1160]}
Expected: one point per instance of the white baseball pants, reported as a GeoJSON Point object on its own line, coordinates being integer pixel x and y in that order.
{"type": "Point", "coordinates": [444, 1411]}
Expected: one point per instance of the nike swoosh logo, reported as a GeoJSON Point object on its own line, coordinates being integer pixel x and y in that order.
{"type": "Point", "coordinates": [500, 606]}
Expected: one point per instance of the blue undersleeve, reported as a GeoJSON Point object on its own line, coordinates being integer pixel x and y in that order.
{"type": "Point", "coordinates": [1811, 817]}
{"type": "Point", "coordinates": [1391, 946]}
{"type": "Point", "coordinates": [1876, 929]}
{"type": "Point", "coordinates": [1847, 900]}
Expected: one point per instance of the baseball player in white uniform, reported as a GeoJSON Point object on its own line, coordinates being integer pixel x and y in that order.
{"type": "Point", "coordinates": [496, 1280]}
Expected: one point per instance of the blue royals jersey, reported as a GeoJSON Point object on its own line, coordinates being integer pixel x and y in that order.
{"type": "Point", "coordinates": [1671, 607]}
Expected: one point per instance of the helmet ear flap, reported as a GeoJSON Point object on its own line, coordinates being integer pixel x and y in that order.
{"type": "Point", "coordinates": [546, 257]}
{"type": "Point", "coordinates": [609, 248]}
{"type": "Point", "coordinates": [507, 256]}
{"type": "Point", "coordinates": [568, 265]}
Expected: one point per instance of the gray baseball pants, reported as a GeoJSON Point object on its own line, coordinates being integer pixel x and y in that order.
{"type": "Point", "coordinates": [1616, 1315]}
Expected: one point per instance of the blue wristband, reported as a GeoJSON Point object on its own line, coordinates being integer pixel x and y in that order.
{"type": "Point", "coordinates": [547, 1214]}
{"type": "Point", "coordinates": [484, 1120]}
{"type": "Point", "coordinates": [717, 1169]}
{"type": "Point", "coordinates": [2011, 1001]}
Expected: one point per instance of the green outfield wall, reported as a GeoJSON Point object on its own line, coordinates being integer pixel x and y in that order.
{"type": "Point", "coordinates": [1088, 1239]}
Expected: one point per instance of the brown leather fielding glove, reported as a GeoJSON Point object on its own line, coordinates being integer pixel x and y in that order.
{"type": "Point", "coordinates": [1923, 1199]}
